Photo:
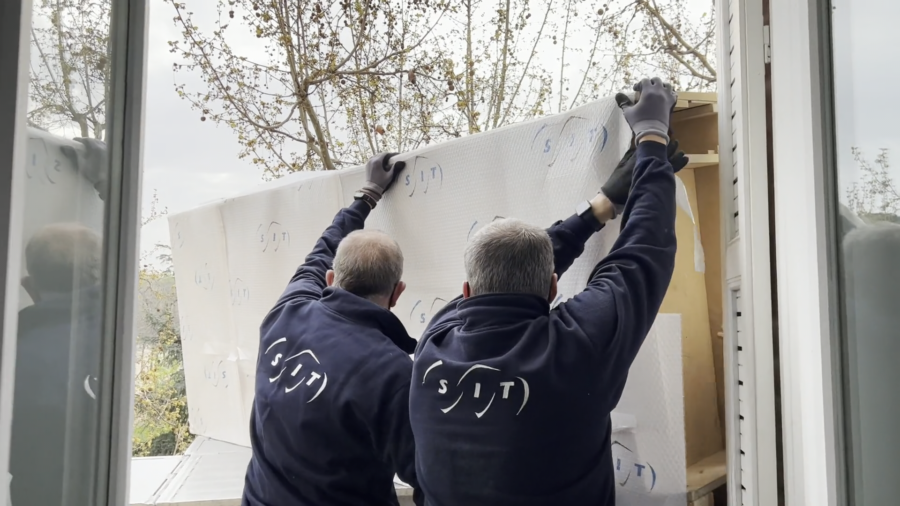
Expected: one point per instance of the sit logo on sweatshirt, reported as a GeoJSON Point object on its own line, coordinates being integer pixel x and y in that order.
{"type": "Point", "coordinates": [487, 386]}
{"type": "Point", "coordinates": [312, 373]}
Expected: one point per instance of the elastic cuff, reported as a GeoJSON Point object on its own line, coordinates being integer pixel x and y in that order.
{"type": "Point", "coordinates": [645, 133]}
{"type": "Point", "coordinates": [580, 227]}
{"type": "Point", "coordinates": [651, 127]}
{"type": "Point", "coordinates": [360, 207]}
{"type": "Point", "coordinates": [651, 149]}
{"type": "Point", "coordinates": [373, 190]}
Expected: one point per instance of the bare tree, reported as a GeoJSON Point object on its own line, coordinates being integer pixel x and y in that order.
{"type": "Point", "coordinates": [666, 39]}
{"type": "Point", "coordinates": [70, 66]}
{"type": "Point", "coordinates": [331, 84]}
{"type": "Point", "coordinates": [528, 61]}
{"type": "Point", "coordinates": [328, 84]}
{"type": "Point", "coordinates": [874, 197]}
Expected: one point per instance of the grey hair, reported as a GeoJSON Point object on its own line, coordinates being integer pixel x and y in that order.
{"type": "Point", "coordinates": [510, 256]}
{"type": "Point", "coordinates": [368, 264]}
{"type": "Point", "coordinates": [63, 257]}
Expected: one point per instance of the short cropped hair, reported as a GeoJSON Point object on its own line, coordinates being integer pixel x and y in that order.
{"type": "Point", "coordinates": [510, 256]}
{"type": "Point", "coordinates": [368, 264]}
{"type": "Point", "coordinates": [64, 256]}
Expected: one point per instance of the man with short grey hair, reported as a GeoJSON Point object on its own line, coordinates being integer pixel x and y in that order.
{"type": "Point", "coordinates": [330, 418]}
{"type": "Point", "coordinates": [368, 263]}
{"type": "Point", "coordinates": [510, 256]}
{"type": "Point", "coordinates": [510, 401]}
{"type": "Point", "coordinates": [58, 356]}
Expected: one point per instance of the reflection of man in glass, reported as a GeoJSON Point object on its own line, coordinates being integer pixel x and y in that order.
{"type": "Point", "coordinates": [57, 362]}
{"type": "Point", "coordinates": [871, 289]}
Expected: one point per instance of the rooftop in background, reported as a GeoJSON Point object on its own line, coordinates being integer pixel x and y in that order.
{"type": "Point", "coordinates": [210, 473]}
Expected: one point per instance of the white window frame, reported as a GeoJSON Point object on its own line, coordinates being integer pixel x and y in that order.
{"type": "Point", "coordinates": [804, 224]}
{"type": "Point", "coordinates": [15, 41]}
{"type": "Point", "coordinates": [128, 40]}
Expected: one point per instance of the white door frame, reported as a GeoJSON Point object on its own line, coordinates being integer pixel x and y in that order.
{"type": "Point", "coordinates": [750, 422]}
{"type": "Point", "coordinates": [804, 221]}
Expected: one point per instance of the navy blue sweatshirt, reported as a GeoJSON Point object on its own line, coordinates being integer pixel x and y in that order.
{"type": "Point", "coordinates": [330, 418]}
{"type": "Point", "coordinates": [510, 401]}
{"type": "Point", "coordinates": [55, 410]}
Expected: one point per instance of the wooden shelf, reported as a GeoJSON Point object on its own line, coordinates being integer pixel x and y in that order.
{"type": "Point", "coordinates": [700, 161]}
{"type": "Point", "coordinates": [706, 476]}
{"type": "Point", "coordinates": [687, 99]}
{"type": "Point", "coordinates": [694, 111]}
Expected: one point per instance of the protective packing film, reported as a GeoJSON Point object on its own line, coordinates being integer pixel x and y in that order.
{"type": "Point", "coordinates": [234, 257]}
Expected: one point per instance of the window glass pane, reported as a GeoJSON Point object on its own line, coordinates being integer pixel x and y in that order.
{"type": "Point", "coordinates": [58, 399]}
{"type": "Point", "coordinates": [868, 138]}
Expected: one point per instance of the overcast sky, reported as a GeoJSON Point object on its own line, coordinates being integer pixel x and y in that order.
{"type": "Point", "coordinates": [865, 35]}
{"type": "Point", "coordinates": [189, 162]}
{"type": "Point", "coordinates": [186, 161]}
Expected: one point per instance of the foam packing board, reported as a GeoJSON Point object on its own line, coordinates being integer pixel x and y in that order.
{"type": "Point", "coordinates": [233, 258]}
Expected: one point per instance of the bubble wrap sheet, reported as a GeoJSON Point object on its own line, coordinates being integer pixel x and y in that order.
{"type": "Point", "coordinates": [234, 257]}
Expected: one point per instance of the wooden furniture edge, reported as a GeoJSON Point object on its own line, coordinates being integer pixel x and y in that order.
{"type": "Point", "coordinates": [706, 476]}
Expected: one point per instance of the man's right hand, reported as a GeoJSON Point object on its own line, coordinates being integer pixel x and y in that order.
{"type": "Point", "coordinates": [380, 174]}
{"type": "Point", "coordinates": [652, 112]}
{"type": "Point", "coordinates": [92, 162]}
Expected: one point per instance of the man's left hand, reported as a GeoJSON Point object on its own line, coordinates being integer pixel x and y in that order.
{"type": "Point", "coordinates": [677, 158]}
{"type": "Point", "coordinates": [618, 186]}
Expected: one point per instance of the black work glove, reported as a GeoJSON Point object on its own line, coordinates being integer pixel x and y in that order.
{"type": "Point", "coordinates": [618, 186]}
{"type": "Point", "coordinates": [677, 158]}
{"type": "Point", "coordinates": [92, 162]}
{"type": "Point", "coordinates": [380, 174]}
{"type": "Point", "coordinates": [652, 113]}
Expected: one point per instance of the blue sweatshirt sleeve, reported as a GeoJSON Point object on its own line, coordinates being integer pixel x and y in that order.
{"type": "Point", "coordinates": [626, 288]}
{"type": "Point", "coordinates": [568, 238]}
{"type": "Point", "coordinates": [309, 280]}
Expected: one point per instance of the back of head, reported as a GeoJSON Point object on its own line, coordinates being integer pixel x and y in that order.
{"type": "Point", "coordinates": [368, 264]}
{"type": "Point", "coordinates": [510, 256]}
{"type": "Point", "coordinates": [63, 257]}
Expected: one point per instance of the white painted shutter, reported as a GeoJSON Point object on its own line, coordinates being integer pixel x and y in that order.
{"type": "Point", "coordinates": [749, 368]}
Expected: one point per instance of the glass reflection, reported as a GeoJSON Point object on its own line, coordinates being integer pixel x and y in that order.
{"type": "Point", "coordinates": [57, 393]}
{"type": "Point", "coordinates": [867, 139]}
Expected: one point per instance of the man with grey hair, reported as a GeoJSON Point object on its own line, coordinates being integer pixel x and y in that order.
{"type": "Point", "coordinates": [510, 401]}
{"type": "Point", "coordinates": [57, 363]}
{"type": "Point", "coordinates": [330, 418]}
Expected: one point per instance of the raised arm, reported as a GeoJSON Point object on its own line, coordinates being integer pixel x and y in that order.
{"type": "Point", "coordinates": [626, 288]}
{"type": "Point", "coordinates": [568, 238]}
{"type": "Point", "coordinates": [308, 281]}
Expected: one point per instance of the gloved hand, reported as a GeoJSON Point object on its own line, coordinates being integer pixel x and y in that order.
{"type": "Point", "coordinates": [380, 174]}
{"type": "Point", "coordinates": [92, 162]}
{"type": "Point", "coordinates": [618, 186]}
{"type": "Point", "coordinates": [653, 111]}
{"type": "Point", "coordinates": [677, 158]}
